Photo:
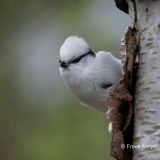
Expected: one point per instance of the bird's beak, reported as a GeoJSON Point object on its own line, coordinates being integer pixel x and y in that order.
{"type": "Point", "coordinates": [63, 64]}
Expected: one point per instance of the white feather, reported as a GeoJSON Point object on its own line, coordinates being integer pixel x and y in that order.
{"type": "Point", "coordinates": [85, 77]}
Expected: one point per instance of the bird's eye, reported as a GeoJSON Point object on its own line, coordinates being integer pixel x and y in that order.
{"type": "Point", "coordinates": [60, 61]}
{"type": "Point", "coordinates": [76, 60]}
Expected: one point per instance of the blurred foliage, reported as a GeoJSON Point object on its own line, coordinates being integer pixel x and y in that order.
{"type": "Point", "coordinates": [40, 118]}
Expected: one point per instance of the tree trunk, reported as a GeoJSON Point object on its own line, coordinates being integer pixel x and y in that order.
{"type": "Point", "coordinates": [147, 89]}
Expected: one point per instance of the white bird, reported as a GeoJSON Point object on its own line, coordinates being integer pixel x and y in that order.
{"type": "Point", "coordinates": [87, 74]}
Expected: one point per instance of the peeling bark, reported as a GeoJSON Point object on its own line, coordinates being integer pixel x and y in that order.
{"type": "Point", "coordinates": [119, 99]}
{"type": "Point", "coordinates": [146, 25]}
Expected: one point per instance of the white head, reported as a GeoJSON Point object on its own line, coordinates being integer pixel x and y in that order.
{"type": "Point", "coordinates": [73, 50]}
{"type": "Point", "coordinates": [72, 47]}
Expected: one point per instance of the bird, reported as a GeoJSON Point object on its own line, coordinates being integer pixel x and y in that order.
{"type": "Point", "coordinates": [88, 74]}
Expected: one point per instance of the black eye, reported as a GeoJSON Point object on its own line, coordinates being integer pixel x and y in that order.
{"type": "Point", "coordinates": [60, 61]}
{"type": "Point", "coordinates": [76, 60]}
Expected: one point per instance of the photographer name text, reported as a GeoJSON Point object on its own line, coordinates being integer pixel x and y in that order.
{"type": "Point", "coordinates": [138, 146]}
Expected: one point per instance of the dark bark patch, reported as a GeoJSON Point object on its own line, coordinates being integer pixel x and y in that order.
{"type": "Point", "coordinates": [120, 101]}
{"type": "Point", "coordinates": [122, 5]}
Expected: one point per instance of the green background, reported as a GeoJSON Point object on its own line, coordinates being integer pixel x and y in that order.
{"type": "Point", "coordinates": [40, 119]}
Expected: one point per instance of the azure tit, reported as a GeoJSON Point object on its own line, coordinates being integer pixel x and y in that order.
{"type": "Point", "coordinates": [87, 74]}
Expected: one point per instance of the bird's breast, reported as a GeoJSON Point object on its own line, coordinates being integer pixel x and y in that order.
{"type": "Point", "coordinates": [87, 91]}
{"type": "Point", "coordinates": [90, 95]}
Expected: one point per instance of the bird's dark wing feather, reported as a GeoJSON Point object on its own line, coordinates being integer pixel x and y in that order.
{"type": "Point", "coordinates": [105, 85]}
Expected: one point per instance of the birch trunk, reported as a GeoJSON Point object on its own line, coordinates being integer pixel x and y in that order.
{"type": "Point", "coordinates": [147, 93]}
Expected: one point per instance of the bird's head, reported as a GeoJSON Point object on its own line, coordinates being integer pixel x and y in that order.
{"type": "Point", "coordinates": [74, 53]}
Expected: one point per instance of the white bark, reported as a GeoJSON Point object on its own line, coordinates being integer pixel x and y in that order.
{"type": "Point", "coordinates": [147, 95]}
